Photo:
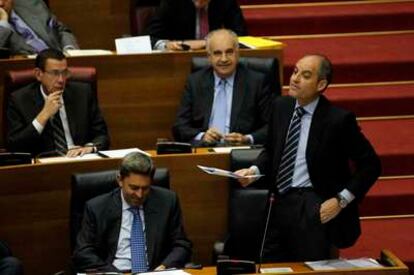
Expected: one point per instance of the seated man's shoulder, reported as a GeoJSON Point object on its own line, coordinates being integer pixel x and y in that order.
{"type": "Point", "coordinates": [103, 201]}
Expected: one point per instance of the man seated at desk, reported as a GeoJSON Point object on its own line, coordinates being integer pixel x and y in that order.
{"type": "Point", "coordinates": [54, 114]}
{"type": "Point", "coordinates": [226, 102]}
{"type": "Point", "coordinates": [179, 22]}
{"type": "Point", "coordinates": [136, 228]}
{"type": "Point", "coordinates": [27, 27]}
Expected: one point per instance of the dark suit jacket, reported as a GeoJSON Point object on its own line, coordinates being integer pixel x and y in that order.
{"type": "Point", "coordinates": [250, 106]}
{"type": "Point", "coordinates": [84, 116]}
{"type": "Point", "coordinates": [176, 19]}
{"type": "Point", "coordinates": [334, 140]}
{"type": "Point", "coordinates": [38, 17]}
{"type": "Point", "coordinates": [166, 241]}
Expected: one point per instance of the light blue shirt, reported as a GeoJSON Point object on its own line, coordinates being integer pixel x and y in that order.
{"type": "Point", "coordinates": [229, 93]}
{"type": "Point", "coordinates": [122, 259]}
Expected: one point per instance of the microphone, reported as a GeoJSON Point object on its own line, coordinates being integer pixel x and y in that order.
{"type": "Point", "coordinates": [271, 201]}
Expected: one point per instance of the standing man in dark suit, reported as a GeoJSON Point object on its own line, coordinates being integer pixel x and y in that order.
{"type": "Point", "coordinates": [189, 21]}
{"type": "Point", "coordinates": [27, 27]}
{"type": "Point", "coordinates": [53, 114]}
{"type": "Point", "coordinates": [135, 228]}
{"type": "Point", "coordinates": [307, 157]}
{"type": "Point", "coordinates": [226, 102]}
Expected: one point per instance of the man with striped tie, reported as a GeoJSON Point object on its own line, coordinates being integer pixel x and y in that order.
{"type": "Point", "coordinates": [53, 114]}
{"type": "Point", "coordinates": [135, 228]}
{"type": "Point", "coordinates": [307, 157]}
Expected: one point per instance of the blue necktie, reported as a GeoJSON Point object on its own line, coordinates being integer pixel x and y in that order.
{"type": "Point", "coordinates": [27, 33]}
{"type": "Point", "coordinates": [219, 113]}
{"type": "Point", "coordinates": [138, 255]}
{"type": "Point", "coordinates": [287, 163]}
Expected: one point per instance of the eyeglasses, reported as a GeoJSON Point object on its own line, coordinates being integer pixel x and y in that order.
{"type": "Point", "coordinates": [57, 73]}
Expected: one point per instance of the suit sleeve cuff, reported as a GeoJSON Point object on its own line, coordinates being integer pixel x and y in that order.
{"type": "Point", "coordinates": [347, 195]}
{"type": "Point", "coordinates": [250, 138]}
{"type": "Point", "coordinates": [199, 136]}
{"type": "Point", "coordinates": [39, 128]}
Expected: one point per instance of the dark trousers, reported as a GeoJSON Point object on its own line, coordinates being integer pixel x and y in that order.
{"type": "Point", "coordinates": [295, 231]}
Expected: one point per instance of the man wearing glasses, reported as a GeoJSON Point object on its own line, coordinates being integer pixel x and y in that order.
{"type": "Point", "coordinates": [54, 115]}
{"type": "Point", "coordinates": [226, 102]}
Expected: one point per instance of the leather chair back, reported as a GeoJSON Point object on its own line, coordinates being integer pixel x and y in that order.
{"type": "Point", "coordinates": [17, 79]}
{"type": "Point", "coordinates": [86, 186]}
{"type": "Point", "coordinates": [247, 216]}
{"type": "Point", "coordinates": [140, 14]}
{"type": "Point", "coordinates": [268, 66]}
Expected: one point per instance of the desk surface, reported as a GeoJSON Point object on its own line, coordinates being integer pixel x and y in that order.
{"type": "Point", "coordinates": [138, 94]}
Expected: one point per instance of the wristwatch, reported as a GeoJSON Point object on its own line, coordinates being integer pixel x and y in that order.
{"type": "Point", "coordinates": [341, 200]}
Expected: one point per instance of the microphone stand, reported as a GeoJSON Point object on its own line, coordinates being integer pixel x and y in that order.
{"type": "Point", "coordinates": [271, 201]}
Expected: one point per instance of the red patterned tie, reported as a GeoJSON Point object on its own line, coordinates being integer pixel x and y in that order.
{"type": "Point", "coordinates": [203, 21]}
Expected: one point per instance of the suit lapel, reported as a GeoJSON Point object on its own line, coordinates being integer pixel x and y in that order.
{"type": "Point", "coordinates": [151, 227]}
{"type": "Point", "coordinates": [239, 86]}
{"type": "Point", "coordinates": [316, 130]}
{"type": "Point", "coordinates": [114, 215]}
{"type": "Point", "coordinates": [207, 90]}
{"type": "Point", "coordinates": [285, 114]}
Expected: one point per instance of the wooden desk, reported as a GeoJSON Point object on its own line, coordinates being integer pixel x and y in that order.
{"type": "Point", "coordinates": [34, 200]}
{"type": "Point", "coordinates": [138, 94]}
{"type": "Point", "coordinates": [398, 268]}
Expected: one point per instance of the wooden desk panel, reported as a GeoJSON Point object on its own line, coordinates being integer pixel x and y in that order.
{"type": "Point", "coordinates": [399, 268]}
{"type": "Point", "coordinates": [35, 206]}
{"type": "Point", "coordinates": [138, 94]}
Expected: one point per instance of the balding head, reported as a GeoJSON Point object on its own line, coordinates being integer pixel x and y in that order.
{"type": "Point", "coordinates": [223, 51]}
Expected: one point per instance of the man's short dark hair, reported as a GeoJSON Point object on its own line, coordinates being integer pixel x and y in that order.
{"type": "Point", "coordinates": [325, 69]}
{"type": "Point", "coordinates": [44, 55]}
{"type": "Point", "coordinates": [136, 163]}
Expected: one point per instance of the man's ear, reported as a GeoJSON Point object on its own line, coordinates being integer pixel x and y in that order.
{"type": "Point", "coordinates": [322, 84]}
{"type": "Point", "coordinates": [38, 73]}
{"type": "Point", "coordinates": [119, 179]}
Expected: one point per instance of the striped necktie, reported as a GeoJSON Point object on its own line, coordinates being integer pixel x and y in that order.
{"type": "Point", "coordinates": [59, 134]}
{"type": "Point", "coordinates": [287, 163]}
{"type": "Point", "coordinates": [138, 255]}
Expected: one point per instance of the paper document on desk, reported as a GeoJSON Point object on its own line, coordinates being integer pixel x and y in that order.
{"type": "Point", "coordinates": [343, 264]}
{"type": "Point", "coordinates": [68, 159]}
{"type": "Point", "coordinates": [276, 270]}
{"type": "Point", "coordinates": [88, 52]}
{"type": "Point", "coordinates": [225, 173]}
{"type": "Point", "coordinates": [167, 272]}
{"type": "Point", "coordinates": [131, 45]}
{"type": "Point", "coordinates": [120, 153]}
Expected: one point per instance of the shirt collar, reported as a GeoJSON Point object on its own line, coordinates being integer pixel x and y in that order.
{"type": "Point", "coordinates": [229, 80]}
{"type": "Point", "coordinates": [125, 205]}
{"type": "Point", "coordinates": [310, 107]}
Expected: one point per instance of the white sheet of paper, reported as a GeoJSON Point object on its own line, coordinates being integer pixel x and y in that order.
{"type": "Point", "coordinates": [276, 270]}
{"type": "Point", "coordinates": [66, 159]}
{"type": "Point", "coordinates": [121, 153]}
{"type": "Point", "coordinates": [224, 173]}
{"type": "Point", "coordinates": [136, 44]}
{"type": "Point", "coordinates": [88, 52]}
{"type": "Point", "coordinates": [228, 149]}
{"type": "Point", "coordinates": [167, 272]}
